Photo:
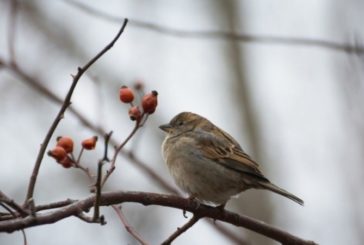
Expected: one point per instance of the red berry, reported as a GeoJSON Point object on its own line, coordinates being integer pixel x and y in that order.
{"type": "Point", "coordinates": [150, 102]}
{"type": "Point", "coordinates": [135, 114]}
{"type": "Point", "coordinates": [66, 143]}
{"type": "Point", "coordinates": [66, 162]}
{"type": "Point", "coordinates": [126, 94]}
{"type": "Point", "coordinates": [57, 153]}
{"type": "Point", "coordinates": [90, 143]}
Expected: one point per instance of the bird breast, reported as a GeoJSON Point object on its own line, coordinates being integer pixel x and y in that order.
{"type": "Point", "coordinates": [199, 176]}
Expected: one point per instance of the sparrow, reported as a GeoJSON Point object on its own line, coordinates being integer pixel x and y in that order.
{"type": "Point", "coordinates": [209, 164]}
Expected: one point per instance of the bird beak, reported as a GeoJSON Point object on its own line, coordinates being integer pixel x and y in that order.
{"type": "Point", "coordinates": [166, 127]}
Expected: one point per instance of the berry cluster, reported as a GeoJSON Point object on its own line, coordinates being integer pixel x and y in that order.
{"type": "Point", "coordinates": [149, 102]}
{"type": "Point", "coordinates": [63, 151]}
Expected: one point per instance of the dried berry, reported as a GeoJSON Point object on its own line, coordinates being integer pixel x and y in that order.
{"type": "Point", "coordinates": [66, 143]}
{"type": "Point", "coordinates": [57, 153]}
{"type": "Point", "coordinates": [126, 94]}
{"type": "Point", "coordinates": [134, 113]}
{"type": "Point", "coordinates": [90, 143]}
{"type": "Point", "coordinates": [150, 102]}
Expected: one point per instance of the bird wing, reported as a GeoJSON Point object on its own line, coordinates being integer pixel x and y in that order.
{"type": "Point", "coordinates": [224, 150]}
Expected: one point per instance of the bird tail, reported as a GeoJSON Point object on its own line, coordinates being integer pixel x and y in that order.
{"type": "Point", "coordinates": [280, 191]}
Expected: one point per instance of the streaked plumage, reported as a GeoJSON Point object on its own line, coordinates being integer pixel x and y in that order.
{"type": "Point", "coordinates": [208, 163]}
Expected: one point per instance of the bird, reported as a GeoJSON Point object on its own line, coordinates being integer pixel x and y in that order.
{"type": "Point", "coordinates": [209, 164]}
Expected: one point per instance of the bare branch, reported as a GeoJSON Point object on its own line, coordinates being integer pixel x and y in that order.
{"type": "Point", "coordinates": [25, 242]}
{"type": "Point", "coordinates": [98, 186]}
{"type": "Point", "coordinates": [224, 35]}
{"type": "Point", "coordinates": [128, 227]}
{"type": "Point", "coordinates": [11, 203]}
{"type": "Point", "coordinates": [15, 216]}
{"type": "Point", "coordinates": [54, 205]}
{"type": "Point", "coordinates": [106, 146]}
{"type": "Point", "coordinates": [65, 105]}
{"type": "Point", "coordinates": [111, 198]}
{"type": "Point", "coordinates": [181, 230]}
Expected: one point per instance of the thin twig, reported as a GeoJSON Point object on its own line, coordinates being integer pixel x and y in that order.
{"type": "Point", "coordinates": [112, 198]}
{"type": "Point", "coordinates": [11, 203]}
{"type": "Point", "coordinates": [15, 216]}
{"type": "Point", "coordinates": [106, 145]}
{"type": "Point", "coordinates": [117, 151]}
{"type": "Point", "coordinates": [181, 230]}
{"type": "Point", "coordinates": [223, 35]}
{"type": "Point", "coordinates": [98, 186]}
{"type": "Point", "coordinates": [54, 205]}
{"type": "Point", "coordinates": [65, 105]}
{"type": "Point", "coordinates": [128, 227]}
{"type": "Point", "coordinates": [77, 161]}
{"type": "Point", "coordinates": [25, 242]}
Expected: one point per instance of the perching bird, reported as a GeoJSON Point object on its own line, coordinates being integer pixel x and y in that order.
{"type": "Point", "coordinates": [208, 163]}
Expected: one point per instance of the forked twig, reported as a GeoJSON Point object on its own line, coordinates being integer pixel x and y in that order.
{"type": "Point", "coordinates": [15, 216]}
{"type": "Point", "coordinates": [65, 105]}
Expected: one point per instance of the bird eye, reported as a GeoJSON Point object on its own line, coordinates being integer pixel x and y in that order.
{"type": "Point", "coordinates": [180, 123]}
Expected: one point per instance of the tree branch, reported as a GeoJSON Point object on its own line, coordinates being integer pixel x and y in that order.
{"type": "Point", "coordinates": [65, 105]}
{"type": "Point", "coordinates": [224, 35]}
{"type": "Point", "coordinates": [5, 199]}
{"type": "Point", "coordinates": [14, 215]}
{"type": "Point", "coordinates": [144, 198]}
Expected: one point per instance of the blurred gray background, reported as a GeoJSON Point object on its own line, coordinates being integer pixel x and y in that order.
{"type": "Point", "coordinates": [295, 108]}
